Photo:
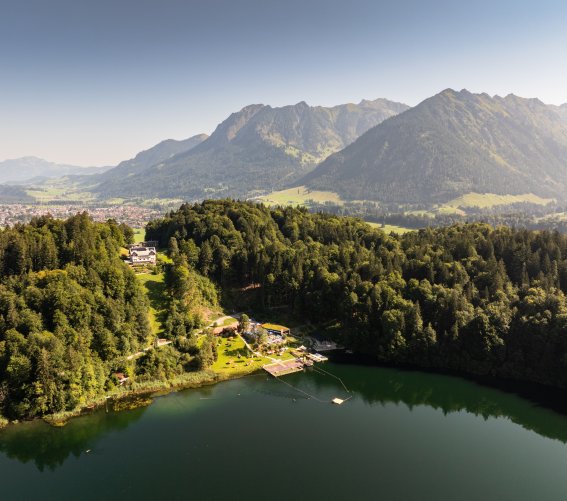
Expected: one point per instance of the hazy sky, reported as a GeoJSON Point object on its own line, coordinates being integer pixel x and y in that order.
{"type": "Point", "coordinates": [92, 82]}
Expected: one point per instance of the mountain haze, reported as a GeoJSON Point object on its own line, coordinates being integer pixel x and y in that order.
{"type": "Point", "coordinates": [451, 144]}
{"type": "Point", "coordinates": [561, 111]}
{"type": "Point", "coordinates": [146, 159]}
{"type": "Point", "coordinates": [257, 148]}
{"type": "Point", "coordinates": [20, 170]}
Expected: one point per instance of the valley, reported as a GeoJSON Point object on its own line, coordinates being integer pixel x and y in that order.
{"type": "Point", "coordinates": [376, 157]}
{"type": "Point", "coordinates": [287, 250]}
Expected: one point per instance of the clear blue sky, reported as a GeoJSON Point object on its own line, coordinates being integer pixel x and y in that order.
{"type": "Point", "coordinates": [92, 82]}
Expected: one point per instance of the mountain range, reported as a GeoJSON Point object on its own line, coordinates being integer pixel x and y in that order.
{"type": "Point", "coordinates": [143, 161]}
{"type": "Point", "coordinates": [258, 148]}
{"type": "Point", "coordinates": [451, 144]}
{"type": "Point", "coordinates": [26, 169]}
{"type": "Point", "coordinates": [561, 111]}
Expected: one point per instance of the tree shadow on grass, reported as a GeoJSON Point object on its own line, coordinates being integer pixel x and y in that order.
{"type": "Point", "coordinates": [243, 352]}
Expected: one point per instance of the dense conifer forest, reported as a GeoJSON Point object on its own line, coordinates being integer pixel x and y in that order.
{"type": "Point", "coordinates": [469, 298]}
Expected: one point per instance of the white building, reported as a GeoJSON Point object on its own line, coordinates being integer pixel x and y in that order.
{"type": "Point", "coordinates": [143, 255]}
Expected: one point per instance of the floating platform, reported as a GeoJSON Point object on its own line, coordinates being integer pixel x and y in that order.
{"type": "Point", "coordinates": [284, 367]}
{"type": "Point", "coordinates": [337, 401]}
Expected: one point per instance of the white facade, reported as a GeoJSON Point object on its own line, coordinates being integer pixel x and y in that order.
{"type": "Point", "coordinates": [143, 255]}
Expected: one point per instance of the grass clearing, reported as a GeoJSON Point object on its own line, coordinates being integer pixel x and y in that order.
{"type": "Point", "coordinates": [487, 200]}
{"type": "Point", "coordinates": [448, 210]}
{"type": "Point", "coordinates": [300, 196]}
{"type": "Point", "coordinates": [139, 235]}
{"type": "Point", "coordinates": [155, 290]}
{"type": "Point", "coordinates": [233, 358]}
{"type": "Point", "coordinates": [225, 322]}
{"type": "Point", "coordinates": [400, 230]}
{"type": "Point", "coordinates": [164, 258]}
{"type": "Point", "coordinates": [59, 190]}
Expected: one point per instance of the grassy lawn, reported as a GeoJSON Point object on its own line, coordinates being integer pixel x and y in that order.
{"type": "Point", "coordinates": [228, 362]}
{"type": "Point", "coordinates": [155, 290]}
{"type": "Point", "coordinates": [448, 210]}
{"type": "Point", "coordinates": [225, 322]}
{"type": "Point", "coordinates": [164, 258]}
{"type": "Point", "coordinates": [400, 230]}
{"type": "Point", "coordinates": [285, 356]}
{"type": "Point", "coordinates": [299, 196]}
{"type": "Point", "coordinates": [139, 234]}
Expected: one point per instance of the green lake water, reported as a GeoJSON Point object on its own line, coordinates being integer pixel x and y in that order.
{"type": "Point", "coordinates": [402, 436]}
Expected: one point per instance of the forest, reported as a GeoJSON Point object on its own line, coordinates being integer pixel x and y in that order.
{"type": "Point", "coordinates": [72, 312]}
{"type": "Point", "coordinates": [469, 297]}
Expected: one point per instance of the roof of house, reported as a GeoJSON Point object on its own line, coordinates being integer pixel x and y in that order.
{"type": "Point", "coordinates": [142, 251]}
{"type": "Point", "coordinates": [275, 327]}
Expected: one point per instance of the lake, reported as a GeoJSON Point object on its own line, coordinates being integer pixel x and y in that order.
{"type": "Point", "coordinates": [402, 436]}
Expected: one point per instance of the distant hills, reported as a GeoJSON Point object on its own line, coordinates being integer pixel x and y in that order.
{"type": "Point", "coordinates": [451, 144]}
{"type": "Point", "coordinates": [14, 195]}
{"type": "Point", "coordinates": [144, 161]}
{"type": "Point", "coordinates": [448, 146]}
{"type": "Point", "coordinates": [26, 169]}
{"type": "Point", "coordinates": [258, 148]}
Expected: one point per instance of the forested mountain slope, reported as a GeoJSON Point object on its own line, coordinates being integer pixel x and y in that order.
{"type": "Point", "coordinates": [451, 144]}
{"type": "Point", "coordinates": [145, 160]}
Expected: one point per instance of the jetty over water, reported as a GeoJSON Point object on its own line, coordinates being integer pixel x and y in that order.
{"type": "Point", "coordinates": [302, 359]}
{"type": "Point", "coordinates": [283, 367]}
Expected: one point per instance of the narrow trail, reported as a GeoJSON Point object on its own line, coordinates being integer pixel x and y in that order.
{"type": "Point", "coordinates": [221, 320]}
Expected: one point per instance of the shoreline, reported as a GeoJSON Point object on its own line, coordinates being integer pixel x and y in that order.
{"type": "Point", "coordinates": [144, 393]}
{"type": "Point", "coordinates": [140, 396]}
{"type": "Point", "coordinates": [550, 397]}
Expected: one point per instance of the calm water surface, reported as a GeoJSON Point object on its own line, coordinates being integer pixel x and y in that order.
{"type": "Point", "coordinates": [402, 436]}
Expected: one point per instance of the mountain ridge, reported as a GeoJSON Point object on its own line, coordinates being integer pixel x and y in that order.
{"type": "Point", "coordinates": [256, 148]}
{"type": "Point", "coordinates": [146, 159]}
{"type": "Point", "coordinates": [451, 144]}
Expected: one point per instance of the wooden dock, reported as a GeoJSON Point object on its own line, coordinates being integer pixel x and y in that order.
{"type": "Point", "coordinates": [302, 359]}
{"type": "Point", "coordinates": [283, 367]}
